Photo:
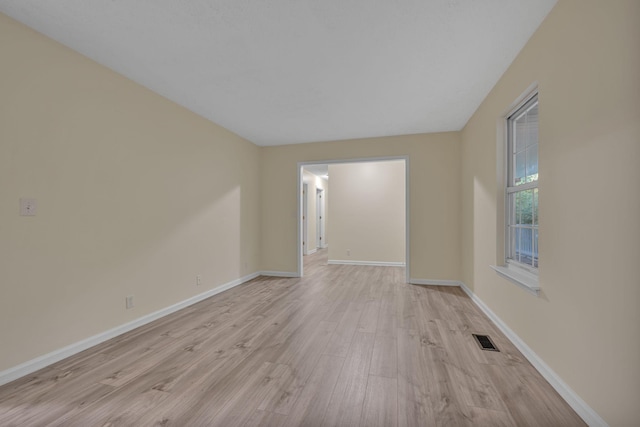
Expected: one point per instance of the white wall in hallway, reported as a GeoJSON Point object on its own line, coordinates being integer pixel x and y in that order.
{"type": "Point", "coordinates": [367, 211]}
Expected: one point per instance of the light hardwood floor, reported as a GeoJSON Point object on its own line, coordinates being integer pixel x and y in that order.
{"type": "Point", "coordinates": [344, 346]}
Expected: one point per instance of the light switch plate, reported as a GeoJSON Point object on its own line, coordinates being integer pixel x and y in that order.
{"type": "Point", "coordinates": [28, 207]}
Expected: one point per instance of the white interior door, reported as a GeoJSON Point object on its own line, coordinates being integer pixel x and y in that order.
{"type": "Point", "coordinates": [320, 219]}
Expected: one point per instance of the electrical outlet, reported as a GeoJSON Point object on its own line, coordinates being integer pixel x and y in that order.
{"type": "Point", "coordinates": [129, 302]}
{"type": "Point", "coordinates": [198, 280]}
{"type": "Point", "coordinates": [348, 252]}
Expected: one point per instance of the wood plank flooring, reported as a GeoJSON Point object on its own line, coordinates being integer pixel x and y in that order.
{"type": "Point", "coordinates": [343, 346]}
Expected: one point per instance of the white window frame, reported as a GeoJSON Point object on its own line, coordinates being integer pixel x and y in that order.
{"type": "Point", "coordinates": [523, 275]}
{"type": "Point", "coordinates": [512, 188]}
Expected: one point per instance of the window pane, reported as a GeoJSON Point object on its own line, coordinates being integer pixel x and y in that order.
{"type": "Point", "coordinates": [511, 218]}
{"type": "Point", "coordinates": [524, 207]}
{"type": "Point", "coordinates": [521, 134]}
{"type": "Point", "coordinates": [525, 246]}
{"type": "Point", "coordinates": [532, 126]}
{"type": "Point", "coordinates": [516, 251]}
{"type": "Point", "coordinates": [522, 229]}
{"type": "Point", "coordinates": [535, 248]}
{"type": "Point", "coordinates": [532, 164]}
{"type": "Point", "coordinates": [535, 206]}
{"type": "Point", "coordinates": [520, 168]}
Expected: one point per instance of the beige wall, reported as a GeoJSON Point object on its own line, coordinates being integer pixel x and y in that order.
{"type": "Point", "coordinates": [434, 183]}
{"type": "Point", "coordinates": [136, 196]}
{"type": "Point", "coordinates": [586, 323]}
{"type": "Point", "coordinates": [368, 212]}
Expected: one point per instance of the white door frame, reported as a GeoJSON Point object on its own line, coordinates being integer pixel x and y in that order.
{"type": "Point", "coordinates": [407, 199]}
{"type": "Point", "coordinates": [305, 219]}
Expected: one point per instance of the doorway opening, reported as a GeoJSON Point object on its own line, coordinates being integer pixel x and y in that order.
{"type": "Point", "coordinates": [367, 190]}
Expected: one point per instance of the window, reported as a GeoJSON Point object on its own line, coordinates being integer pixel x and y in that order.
{"type": "Point", "coordinates": [521, 247]}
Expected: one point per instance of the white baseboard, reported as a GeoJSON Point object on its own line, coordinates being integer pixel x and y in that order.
{"type": "Point", "coordinates": [371, 263]}
{"type": "Point", "coordinates": [435, 282]}
{"type": "Point", "coordinates": [571, 397]}
{"type": "Point", "coordinates": [279, 273]}
{"type": "Point", "coordinates": [45, 360]}
{"type": "Point", "coordinates": [312, 251]}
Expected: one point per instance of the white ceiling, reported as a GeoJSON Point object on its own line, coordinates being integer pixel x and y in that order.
{"type": "Point", "coordinates": [318, 170]}
{"type": "Point", "coordinates": [293, 71]}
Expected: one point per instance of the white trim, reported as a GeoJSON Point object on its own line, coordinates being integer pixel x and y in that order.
{"type": "Point", "coordinates": [45, 360]}
{"type": "Point", "coordinates": [521, 100]}
{"type": "Point", "coordinates": [526, 280]}
{"type": "Point", "coordinates": [312, 251]}
{"type": "Point", "coordinates": [571, 397]}
{"type": "Point", "coordinates": [279, 273]}
{"type": "Point", "coordinates": [435, 282]}
{"type": "Point", "coordinates": [407, 232]}
{"type": "Point", "coordinates": [407, 219]}
{"type": "Point", "coordinates": [354, 160]}
{"type": "Point", "coordinates": [522, 187]}
{"type": "Point", "coordinates": [305, 221]}
{"type": "Point", "coordinates": [371, 263]}
{"type": "Point", "coordinates": [300, 223]}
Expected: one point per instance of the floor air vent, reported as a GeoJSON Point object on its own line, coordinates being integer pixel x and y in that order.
{"type": "Point", "coordinates": [485, 342]}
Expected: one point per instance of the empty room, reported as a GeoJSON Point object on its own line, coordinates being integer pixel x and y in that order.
{"type": "Point", "coordinates": [336, 213]}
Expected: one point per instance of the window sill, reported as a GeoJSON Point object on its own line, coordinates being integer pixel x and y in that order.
{"type": "Point", "coordinates": [526, 280]}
